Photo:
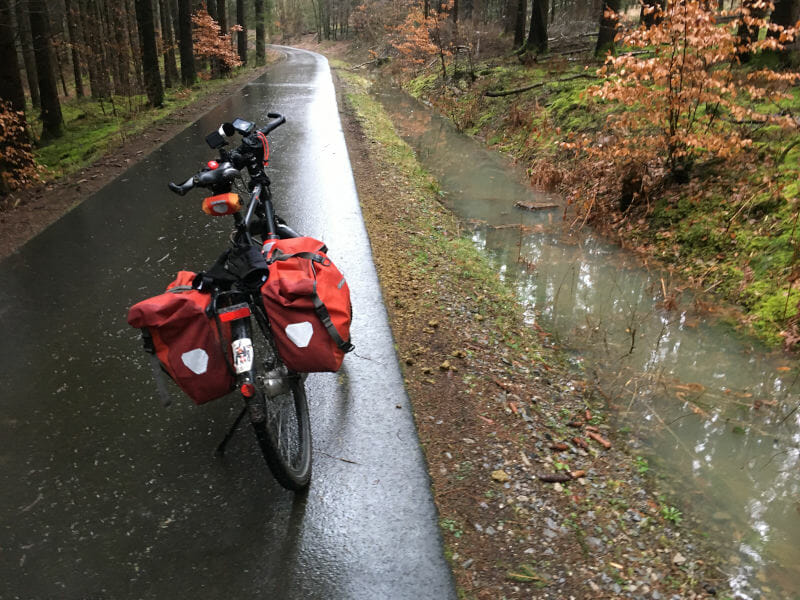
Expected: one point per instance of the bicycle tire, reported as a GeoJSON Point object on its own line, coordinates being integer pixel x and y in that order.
{"type": "Point", "coordinates": [284, 437]}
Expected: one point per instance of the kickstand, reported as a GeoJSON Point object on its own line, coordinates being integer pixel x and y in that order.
{"type": "Point", "coordinates": [229, 435]}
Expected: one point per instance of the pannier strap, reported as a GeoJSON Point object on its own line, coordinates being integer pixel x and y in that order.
{"type": "Point", "coordinates": [325, 317]}
{"type": "Point", "coordinates": [313, 257]}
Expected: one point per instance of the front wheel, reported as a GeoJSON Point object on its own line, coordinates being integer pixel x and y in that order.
{"type": "Point", "coordinates": [285, 435]}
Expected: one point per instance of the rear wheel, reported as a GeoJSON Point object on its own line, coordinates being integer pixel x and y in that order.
{"type": "Point", "coordinates": [284, 436]}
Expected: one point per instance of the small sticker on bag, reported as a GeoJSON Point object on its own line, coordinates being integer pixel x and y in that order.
{"type": "Point", "coordinates": [242, 355]}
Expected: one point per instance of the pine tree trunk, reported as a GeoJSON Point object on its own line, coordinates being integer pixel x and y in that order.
{"type": "Point", "coordinates": [519, 24]}
{"type": "Point", "coordinates": [222, 16]}
{"type": "Point", "coordinates": [74, 42]}
{"type": "Point", "coordinates": [131, 33]}
{"type": "Point", "coordinates": [261, 48]}
{"type": "Point", "coordinates": [24, 25]}
{"type": "Point", "coordinates": [121, 56]}
{"type": "Point", "coordinates": [147, 35]}
{"type": "Point", "coordinates": [10, 81]}
{"type": "Point", "coordinates": [170, 68]}
{"type": "Point", "coordinates": [605, 39]}
{"type": "Point", "coordinates": [188, 73]}
{"type": "Point", "coordinates": [89, 50]}
{"type": "Point", "coordinates": [241, 36]}
{"type": "Point", "coordinates": [48, 90]}
{"type": "Point", "coordinates": [537, 36]}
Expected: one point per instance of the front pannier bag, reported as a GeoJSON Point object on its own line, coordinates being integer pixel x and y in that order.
{"type": "Point", "coordinates": [186, 339]}
{"type": "Point", "coordinates": [308, 304]}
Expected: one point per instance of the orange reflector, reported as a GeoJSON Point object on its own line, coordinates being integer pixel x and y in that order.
{"type": "Point", "coordinates": [222, 204]}
{"type": "Point", "coordinates": [248, 390]}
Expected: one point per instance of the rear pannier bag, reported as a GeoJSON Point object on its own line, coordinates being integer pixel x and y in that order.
{"type": "Point", "coordinates": [186, 339]}
{"type": "Point", "coordinates": [308, 304]}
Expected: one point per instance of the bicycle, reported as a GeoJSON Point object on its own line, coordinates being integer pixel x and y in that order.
{"type": "Point", "coordinates": [274, 396]}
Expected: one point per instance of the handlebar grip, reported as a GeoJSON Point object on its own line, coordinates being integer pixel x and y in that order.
{"type": "Point", "coordinates": [182, 188]}
{"type": "Point", "coordinates": [280, 120]}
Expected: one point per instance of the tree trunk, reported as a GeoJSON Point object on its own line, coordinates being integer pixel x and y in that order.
{"type": "Point", "coordinates": [131, 31]}
{"type": "Point", "coordinates": [26, 41]}
{"type": "Point", "coordinates": [188, 73]}
{"type": "Point", "coordinates": [222, 16]}
{"type": "Point", "coordinates": [519, 23]}
{"type": "Point", "coordinates": [537, 35]}
{"type": "Point", "coordinates": [170, 66]}
{"type": "Point", "coordinates": [121, 59]}
{"type": "Point", "coordinates": [785, 14]}
{"type": "Point", "coordinates": [96, 61]}
{"type": "Point", "coordinates": [147, 35]}
{"type": "Point", "coordinates": [261, 48]}
{"type": "Point", "coordinates": [454, 12]}
{"type": "Point", "coordinates": [648, 14]}
{"type": "Point", "coordinates": [58, 55]}
{"type": "Point", "coordinates": [748, 34]}
{"type": "Point", "coordinates": [74, 42]}
{"type": "Point", "coordinates": [48, 90]}
{"type": "Point", "coordinates": [241, 36]}
{"type": "Point", "coordinates": [608, 22]}
{"type": "Point", "coordinates": [10, 81]}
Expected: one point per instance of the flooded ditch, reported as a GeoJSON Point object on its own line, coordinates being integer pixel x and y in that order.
{"type": "Point", "coordinates": [714, 413]}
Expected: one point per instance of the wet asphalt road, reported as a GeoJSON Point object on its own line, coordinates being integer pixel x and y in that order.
{"type": "Point", "coordinates": [105, 494]}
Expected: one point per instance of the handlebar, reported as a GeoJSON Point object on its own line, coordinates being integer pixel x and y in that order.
{"type": "Point", "coordinates": [233, 163]}
{"type": "Point", "coordinates": [275, 124]}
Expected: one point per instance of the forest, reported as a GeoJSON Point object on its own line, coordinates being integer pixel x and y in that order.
{"type": "Point", "coordinates": [671, 126]}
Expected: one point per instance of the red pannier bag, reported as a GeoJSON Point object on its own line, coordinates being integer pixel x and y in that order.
{"type": "Point", "coordinates": [186, 339]}
{"type": "Point", "coordinates": [308, 304]}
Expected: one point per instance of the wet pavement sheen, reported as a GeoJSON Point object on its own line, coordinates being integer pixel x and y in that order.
{"type": "Point", "coordinates": [106, 494]}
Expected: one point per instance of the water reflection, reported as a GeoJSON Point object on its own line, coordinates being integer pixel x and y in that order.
{"type": "Point", "coordinates": [714, 408]}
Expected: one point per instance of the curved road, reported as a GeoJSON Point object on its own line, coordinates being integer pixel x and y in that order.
{"type": "Point", "coordinates": [105, 494]}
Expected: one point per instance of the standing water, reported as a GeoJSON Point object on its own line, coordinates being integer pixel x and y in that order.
{"type": "Point", "coordinates": [712, 409]}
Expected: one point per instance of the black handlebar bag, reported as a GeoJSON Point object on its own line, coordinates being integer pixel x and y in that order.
{"type": "Point", "coordinates": [186, 340]}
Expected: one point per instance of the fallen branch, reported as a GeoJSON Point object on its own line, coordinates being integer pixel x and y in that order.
{"type": "Point", "coordinates": [499, 93]}
{"type": "Point", "coordinates": [536, 205]}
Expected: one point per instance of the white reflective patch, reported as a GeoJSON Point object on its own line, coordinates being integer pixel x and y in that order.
{"type": "Point", "coordinates": [300, 333]}
{"type": "Point", "coordinates": [242, 355]}
{"type": "Point", "coordinates": [196, 360]}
